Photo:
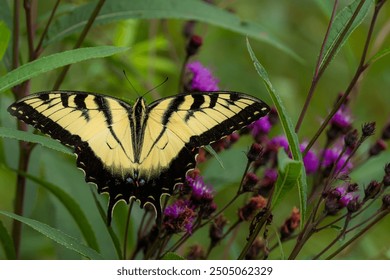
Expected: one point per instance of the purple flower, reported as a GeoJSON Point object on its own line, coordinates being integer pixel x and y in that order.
{"type": "Point", "coordinates": [261, 126]}
{"type": "Point", "coordinates": [202, 78]}
{"type": "Point", "coordinates": [271, 174]}
{"type": "Point", "coordinates": [330, 157]}
{"type": "Point", "coordinates": [342, 119]}
{"type": "Point", "coordinates": [280, 141]}
{"type": "Point", "coordinates": [179, 217]}
{"type": "Point", "coordinates": [200, 191]}
{"type": "Point", "coordinates": [310, 160]}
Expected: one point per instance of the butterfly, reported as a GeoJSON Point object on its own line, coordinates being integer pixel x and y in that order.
{"type": "Point", "coordinates": [137, 151]}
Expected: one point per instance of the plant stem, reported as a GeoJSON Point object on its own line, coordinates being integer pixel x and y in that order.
{"type": "Point", "coordinates": [81, 39]}
{"type": "Point", "coordinates": [341, 234]}
{"type": "Point", "coordinates": [30, 27]}
{"type": "Point", "coordinates": [359, 234]}
{"type": "Point", "coordinates": [39, 49]}
{"type": "Point", "coordinates": [360, 69]}
{"type": "Point", "coordinates": [263, 220]}
{"type": "Point", "coordinates": [316, 75]}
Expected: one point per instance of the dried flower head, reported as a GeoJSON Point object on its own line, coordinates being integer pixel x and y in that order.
{"type": "Point", "coordinates": [248, 211]}
{"type": "Point", "coordinates": [291, 224]}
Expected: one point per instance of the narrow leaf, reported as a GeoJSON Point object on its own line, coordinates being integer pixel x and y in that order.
{"type": "Point", "coordinates": [57, 236]}
{"type": "Point", "coordinates": [379, 55]}
{"type": "Point", "coordinates": [6, 241]}
{"type": "Point", "coordinates": [340, 23]}
{"type": "Point", "coordinates": [212, 152]}
{"type": "Point", "coordinates": [115, 10]}
{"type": "Point", "coordinates": [47, 63]}
{"type": "Point", "coordinates": [289, 172]}
{"type": "Point", "coordinates": [73, 207]}
{"type": "Point", "coordinates": [288, 128]}
{"type": "Point", "coordinates": [34, 138]}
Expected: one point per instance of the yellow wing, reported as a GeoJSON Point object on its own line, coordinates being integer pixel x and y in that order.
{"type": "Point", "coordinates": [96, 126]}
{"type": "Point", "coordinates": [177, 126]}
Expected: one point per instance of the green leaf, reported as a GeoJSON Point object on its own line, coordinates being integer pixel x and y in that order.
{"type": "Point", "coordinates": [5, 35]}
{"type": "Point", "coordinates": [172, 256]}
{"type": "Point", "coordinates": [340, 23]}
{"type": "Point", "coordinates": [379, 55]}
{"type": "Point", "coordinates": [6, 241]}
{"type": "Point", "coordinates": [34, 138]}
{"type": "Point", "coordinates": [73, 208]}
{"type": "Point", "coordinates": [289, 172]}
{"type": "Point", "coordinates": [115, 10]}
{"type": "Point", "coordinates": [47, 63]}
{"type": "Point", "coordinates": [288, 128]}
{"type": "Point", "coordinates": [57, 236]}
{"type": "Point", "coordinates": [212, 152]}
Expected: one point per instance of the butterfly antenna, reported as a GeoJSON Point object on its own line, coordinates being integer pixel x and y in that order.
{"type": "Point", "coordinates": [124, 73]}
{"type": "Point", "coordinates": [160, 84]}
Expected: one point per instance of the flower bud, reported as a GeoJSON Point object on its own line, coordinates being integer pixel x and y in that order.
{"type": "Point", "coordinates": [378, 147]}
{"type": "Point", "coordinates": [250, 181]}
{"type": "Point", "coordinates": [255, 152]}
{"type": "Point", "coordinates": [351, 139]}
{"type": "Point", "coordinates": [193, 45]}
{"type": "Point", "coordinates": [368, 129]}
{"type": "Point", "coordinates": [386, 132]}
{"type": "Point", "coordinates": [372, 190]}
{"type": "Point", "coordinates": [386, 201]}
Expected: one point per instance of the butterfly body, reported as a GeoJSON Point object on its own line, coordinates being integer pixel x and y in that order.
{"type": "Point", "coordinates": [141, 151]}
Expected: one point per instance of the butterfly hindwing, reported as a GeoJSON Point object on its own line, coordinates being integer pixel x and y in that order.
{"type": "Point", "coordinates": [137, 151]}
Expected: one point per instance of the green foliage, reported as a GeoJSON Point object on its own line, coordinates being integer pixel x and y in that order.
{"type": "Point", "coordinates": [5, 35]}
{"type": "Point", "coordinates": [292, 138]}
{"type": "Point", "coordinates": [51, 62]}
{"type": "Point", "coordinates": [57, 236]}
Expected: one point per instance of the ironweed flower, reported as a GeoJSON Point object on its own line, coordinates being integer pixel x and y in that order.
{"type": "Point", "coordinates": [268, 181]}
{"type": "Point", "coordinates": [216, 229]}
{"type": "Point", "coordinates": [260, 127]}
{"type": "Point", "coordinates": [291, 224]}
{"type": "Point", "coordinates": [332, 157]}
{"type": "Point", "coordinates": [340, 124]}
{"type": "Point", "coordinates": [310, 160]}
{"type": "Point", "coordinates": [196, 252]}
{"type": "Point", "coordinates": [179, 217]}
{"type": "Point", "coordinates": [344, 196]}
{"type": "Point", "coordinates": [248, 211]}
{"type": "Point", "coordinates": [200, 191]}
{"type": "Point", "coordinates": [201, 196]}
{"type": "Point", "coordinates": [202, 78]}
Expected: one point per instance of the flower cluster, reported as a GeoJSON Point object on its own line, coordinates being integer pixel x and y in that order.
{"type": "Point", "coordinates": [196, 202]}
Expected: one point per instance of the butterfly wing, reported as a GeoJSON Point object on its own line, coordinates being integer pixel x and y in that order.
{"type": "Point", "coordinates": [96, 126]}
{"type": "Point", "coordinates": [177, 126]}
